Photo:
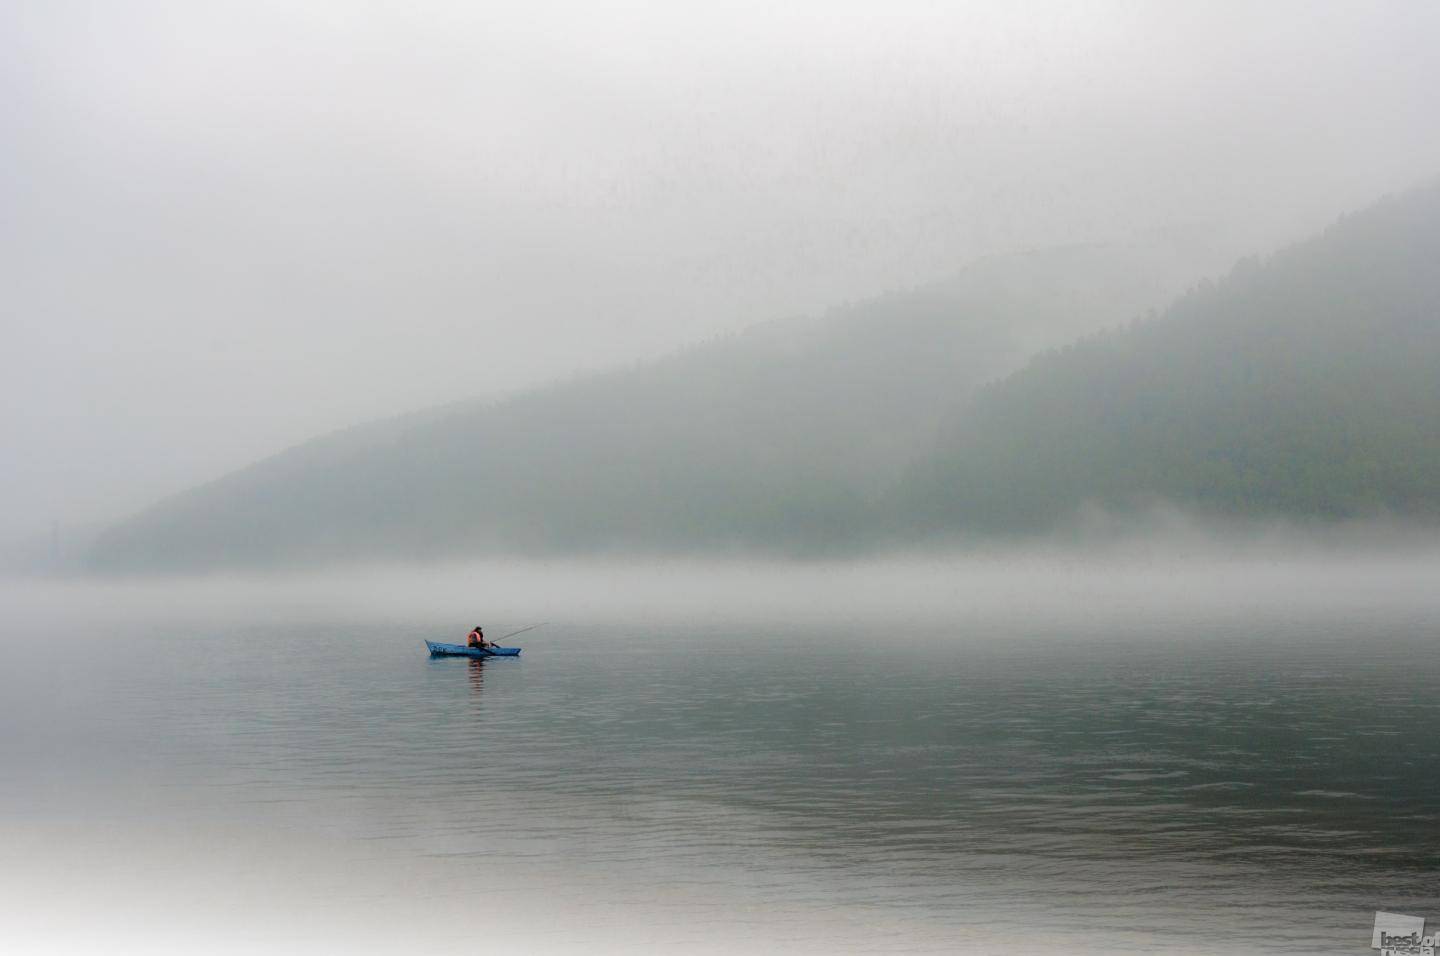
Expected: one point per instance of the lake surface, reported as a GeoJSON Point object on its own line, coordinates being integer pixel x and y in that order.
{"type": "Point", "coordinates": [1255, 772]}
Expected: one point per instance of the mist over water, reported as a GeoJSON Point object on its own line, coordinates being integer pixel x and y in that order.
{"type": "Point", "coordinates": [977, 467]}
{"type": "Point", "coordinates": [1026, 752]}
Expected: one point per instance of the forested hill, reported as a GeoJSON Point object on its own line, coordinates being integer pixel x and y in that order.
{"type": "Point", "coordinates": [1307, 385]}
{"type": "Point", "coordinates": [783, 437]}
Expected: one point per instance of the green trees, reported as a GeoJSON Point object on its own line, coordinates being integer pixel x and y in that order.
{"type": "Point", "coordinates": [783, 438]}
{"type": "Point", "coordinates": [1306, 386]}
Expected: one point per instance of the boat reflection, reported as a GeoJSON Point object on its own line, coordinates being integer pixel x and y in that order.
{"type": "Point", "coordinates": [477, 673]}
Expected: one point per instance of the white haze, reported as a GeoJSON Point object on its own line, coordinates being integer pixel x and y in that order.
{"type": "Point", "coordinates": [1157, 577]}
{"type": "Point", "coordinates": [228, 226]}
{"type": "Point", "coordinates": [171, 886]}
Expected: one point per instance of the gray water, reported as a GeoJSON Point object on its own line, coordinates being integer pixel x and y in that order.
{"type": "Point", "coordinates": [1242, 779]}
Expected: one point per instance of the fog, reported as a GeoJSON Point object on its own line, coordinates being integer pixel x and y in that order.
{"type": "Point", "coordinates": [1166, 571]}
{"type": "Point", "coordinates": [941, 541]}
{"type": "Point", "coordinates": [712, 756]}
{"type": "Point", "coordinates": [231, 226]}
{"type": "Point", "coordinates": [119, 816]}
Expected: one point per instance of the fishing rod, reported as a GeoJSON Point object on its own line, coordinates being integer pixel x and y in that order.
{"type": "Point", "coordinates": [521, 631]}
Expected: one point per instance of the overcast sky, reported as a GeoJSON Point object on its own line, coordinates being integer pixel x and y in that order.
{"type": "Point", "coordinates": [227, 227]}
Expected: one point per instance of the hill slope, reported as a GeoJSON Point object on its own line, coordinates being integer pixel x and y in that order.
{"type": "Point", "coordinates": [782, 437]}
{"type": "Point", "coordinates": [1305, 386]}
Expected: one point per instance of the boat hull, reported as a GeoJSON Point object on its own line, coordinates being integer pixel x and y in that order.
{"type": "Point", "coordinates": [460, 650]}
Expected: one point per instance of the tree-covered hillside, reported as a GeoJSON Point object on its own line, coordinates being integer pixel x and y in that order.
{"type": "Point", "coordinates": [1307, 386]}
{"type": "Point", "coordinates": [784, 437]}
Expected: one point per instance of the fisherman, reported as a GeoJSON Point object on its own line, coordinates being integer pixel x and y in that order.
{"type": "Point", "coordinates": [476, 638]}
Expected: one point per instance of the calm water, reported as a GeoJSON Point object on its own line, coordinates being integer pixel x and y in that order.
{"type": "Point", "coordinates": [1239, 781]}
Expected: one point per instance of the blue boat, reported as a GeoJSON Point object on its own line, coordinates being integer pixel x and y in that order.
{"type": "Point", "coordinates": [460, 650]}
